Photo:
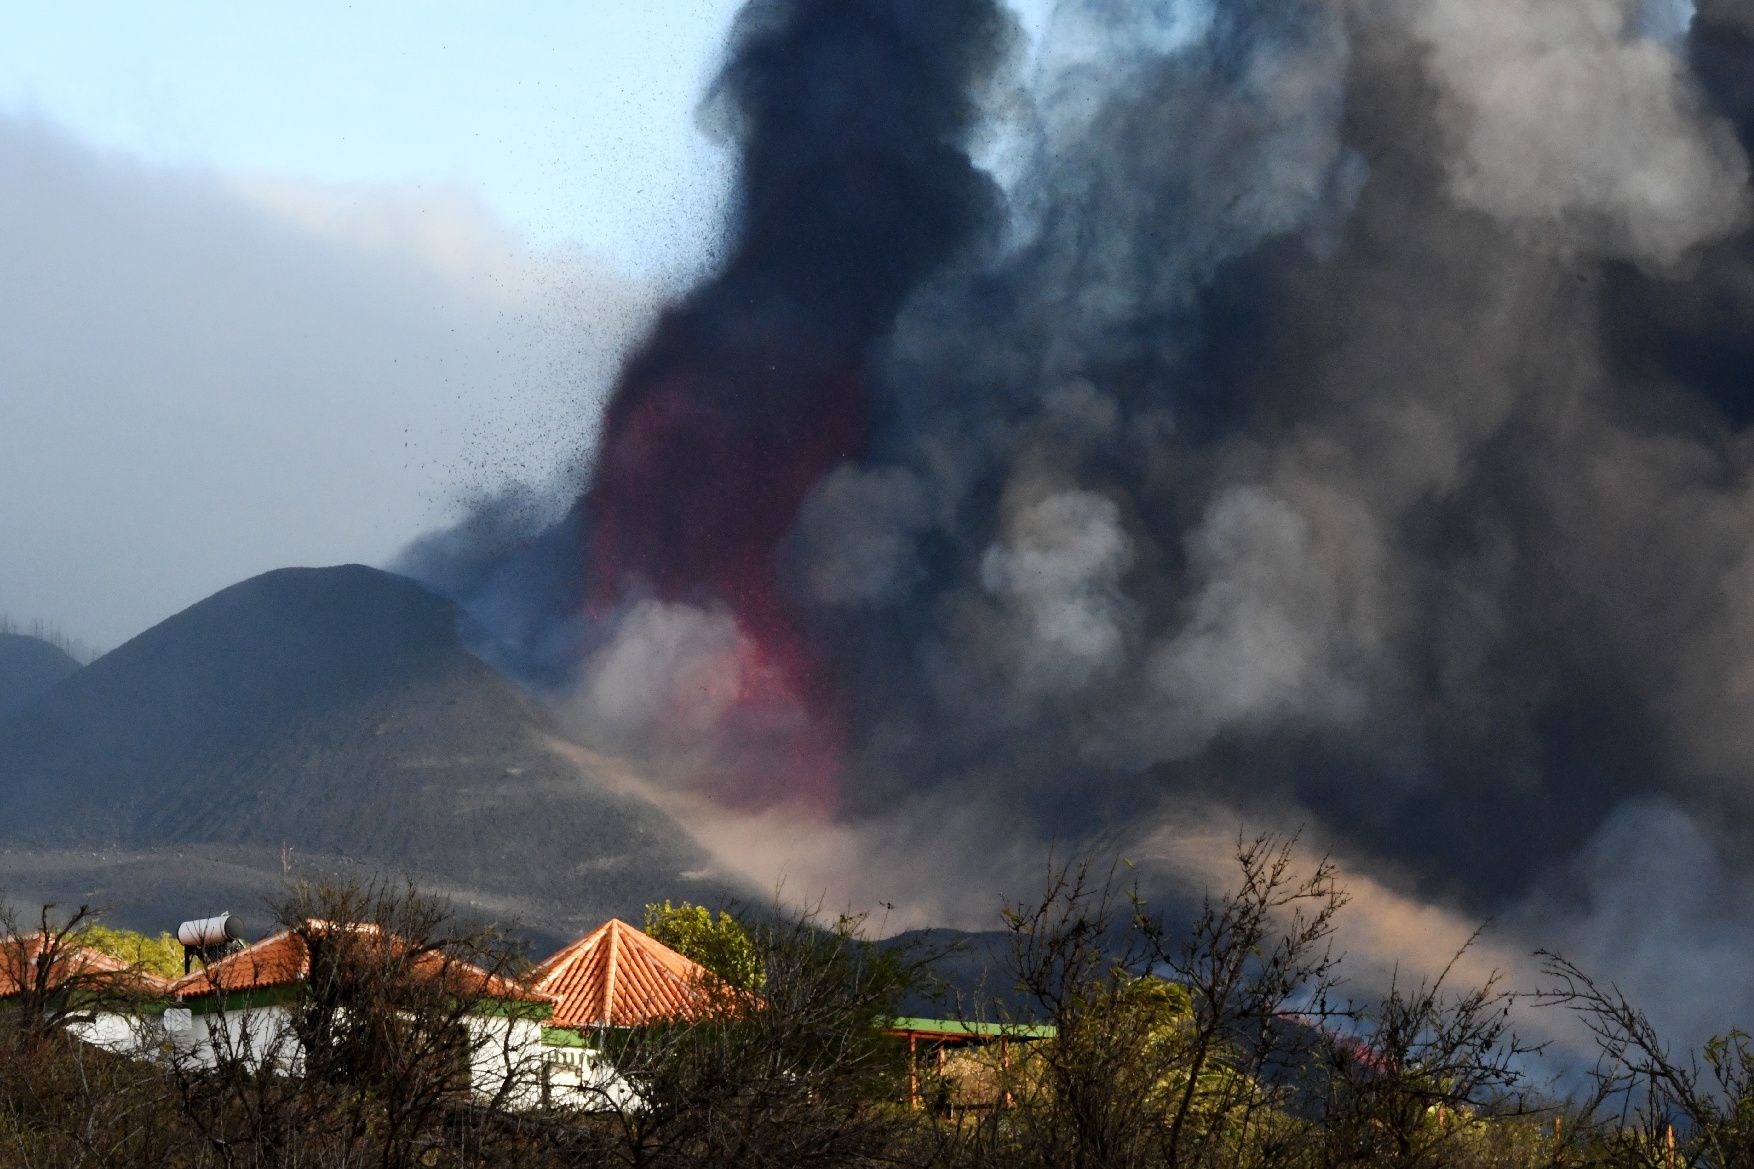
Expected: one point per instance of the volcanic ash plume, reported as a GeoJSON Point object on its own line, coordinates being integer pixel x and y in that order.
{"type": "Point", "coordinates": [854, 187]}
{"type": "Point", "coordinates": [1337, 416]}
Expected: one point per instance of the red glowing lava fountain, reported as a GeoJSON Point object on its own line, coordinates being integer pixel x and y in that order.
{"type": "Point", "coordinates": [703, 468]}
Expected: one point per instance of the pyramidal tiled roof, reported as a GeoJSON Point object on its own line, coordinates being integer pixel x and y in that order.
{"type": "Point", "coordinates": [617, 976]}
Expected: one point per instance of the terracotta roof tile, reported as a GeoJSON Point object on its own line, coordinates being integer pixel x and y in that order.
{"type": "Point", "coordinates": [617, 976]}
{"type": "Point", "coordinates": [277, 960]}
{"type": "Point", "coordinates": [18, 956]}
{"type": "Point", "coordinates": [284, 959]}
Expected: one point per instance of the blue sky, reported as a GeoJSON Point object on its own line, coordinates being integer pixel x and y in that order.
{"type": "Point", "coordinates": [572, 121]}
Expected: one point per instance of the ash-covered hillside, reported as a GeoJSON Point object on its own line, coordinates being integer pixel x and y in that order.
{"type": "Point", "coordinates": [314, 722]}
{"type": "Point", "coordinates": [29, 666]}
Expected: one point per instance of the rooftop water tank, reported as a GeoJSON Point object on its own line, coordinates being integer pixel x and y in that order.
{"type": "Point", "coordinates": [205, 933]}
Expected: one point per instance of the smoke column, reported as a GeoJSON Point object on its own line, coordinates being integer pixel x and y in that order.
{"type": "Point", "coordinates": [1340, 417]}
{"type": "Point", "coordinates": [853, 187]}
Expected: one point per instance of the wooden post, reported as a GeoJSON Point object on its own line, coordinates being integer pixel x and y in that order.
{"type": "Point", "coordinates": [1671, 1144]}
{"type": "Point", "coordinates": [913, 1074]}
{"type": "Point", "coordinates": [1005, 1071]}
{"type": "Point", "coordinates": [939, 1089]}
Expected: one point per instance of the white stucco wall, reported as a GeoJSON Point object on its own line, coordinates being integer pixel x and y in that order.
{"type": "Point", "coordinates": [506, 1061]}
{"type": "Point", "coordinates": [580, 1077]}
{"type": "Point", "coordinates": [124, 1034]}
{"type": "Point", "coordinates": [505, 1052]}
{"type": "Point", "coordinates": [256, 1035]}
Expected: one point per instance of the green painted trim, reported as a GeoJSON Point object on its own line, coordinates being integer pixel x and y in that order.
{"type": "Point", "coordinates": [564, 1037]}
{"type": "Point", "coordinates": [958, 1027]}
{"type": "Point", "coordinates": [214, 1002]}
{"type": "Point", "coordinates": [513, 1008]}
{"type": "Point", "coordinates": [107, 1004]}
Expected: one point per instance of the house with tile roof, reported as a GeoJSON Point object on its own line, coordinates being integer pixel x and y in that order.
{"type": "Point", "coordinates": [105, 1001]}
{"type": "Point", "coordinates": [542, 1032]}
{"type": "Point", "coordinates": [619, 976]}
{"type": "Point", "coordinates": [241, 1007]}
{"type": "Point", "coordinates": [615, 976]}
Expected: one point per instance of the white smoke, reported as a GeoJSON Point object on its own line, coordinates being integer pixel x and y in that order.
{"type": "Point", "coordinates": [670, 671]}
{"type": "Point", "coordinates": [687, 695]}
{"type": "Point", "coordinates": [1056, 574]}
{"type": "Point", "coordinates": [1568, 121]}
{"type": "Point", "coordinates": [1279, 630]}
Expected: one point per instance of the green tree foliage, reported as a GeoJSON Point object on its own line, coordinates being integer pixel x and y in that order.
{"type": "Point", "coordinates": [720, 944]}
{"type": "Point", "coordinates": [161, 955]}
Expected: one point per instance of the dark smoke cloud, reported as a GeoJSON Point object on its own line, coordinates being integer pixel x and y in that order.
{"type": "Point", "coordinates": [1287, 455]}
{"type": "Point", "coordinates": [1346, 425]}
{"type": "Point", "coordinates": [854, 185]}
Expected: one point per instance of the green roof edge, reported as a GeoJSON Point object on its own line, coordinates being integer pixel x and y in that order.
{"type": "Point", "coordinates": [963, 1027]}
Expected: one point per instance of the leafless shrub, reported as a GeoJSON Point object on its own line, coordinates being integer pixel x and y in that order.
{"type": "Point", "coordinates": [398, 1019]}
{"type": "Point", "coordinates": [1229, 1044]}
{"type": "Point", "coordinates": [50, 982]}
{"type": "Point", "coordinates": [64, 1100]}
{"type": "Point", "coordinates": [1650, 1106]}
{"type": "Point", "coordinates": [1407, 1082]}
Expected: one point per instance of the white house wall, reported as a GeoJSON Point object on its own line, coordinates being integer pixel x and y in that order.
{"type": "Point", "coordinates": [506, 1059]}
{"type": "Point", "coordinates": [579, 1077]}
{"type": "Point", "coordinates": [254, 1035]}
{"type": "Point", "coordinates": [123, 1034]}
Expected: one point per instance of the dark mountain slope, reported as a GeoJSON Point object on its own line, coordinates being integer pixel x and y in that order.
{"type": "Point", "coordinates": [29, 666]}
{"type": "Point", "coordinates": [333, 712]}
